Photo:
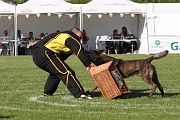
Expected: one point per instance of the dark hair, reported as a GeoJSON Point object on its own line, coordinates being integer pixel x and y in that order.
{"type": "Point", "coordinates": [124, 30]}
{"type": "Point", "coordinates": [6, 31]}
{"type": "Point", "coordinates": [115, 31]}
{"type": "Point", "coordinates": [84, 38]}
{"type": "Point", "coordinates": [42, 35]}
{"type": "Point", "coordinates": [58, 31]}
{"type": "Point", "coordinates": [30, 32]}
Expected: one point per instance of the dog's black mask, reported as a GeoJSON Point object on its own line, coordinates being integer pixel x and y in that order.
{"type": "Point", "coordinates": [98, 58]}
{"type": "Point", "coordinates": [94, 56]}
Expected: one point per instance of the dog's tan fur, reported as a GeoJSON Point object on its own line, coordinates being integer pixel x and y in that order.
{"type": "Point", "coordinates": [127, 68]}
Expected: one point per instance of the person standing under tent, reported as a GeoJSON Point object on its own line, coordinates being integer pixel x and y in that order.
{"type": "Point", "coordinates": [85, 38]}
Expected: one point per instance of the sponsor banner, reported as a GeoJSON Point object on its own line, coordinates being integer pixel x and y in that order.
{"type": "Point", "coordinates": [161, 43]}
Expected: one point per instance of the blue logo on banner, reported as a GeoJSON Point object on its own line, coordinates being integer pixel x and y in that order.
{"type": "Point", "coordinates": [157, 42]}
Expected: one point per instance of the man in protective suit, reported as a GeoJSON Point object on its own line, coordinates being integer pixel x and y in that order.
{"type": "Point", "coordinates": [50, 54]}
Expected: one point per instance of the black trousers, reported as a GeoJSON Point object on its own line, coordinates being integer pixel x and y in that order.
{"type": "Point", "coordinates": [58, 70]}
{"type": "Point", "coordinates": [126, 47]}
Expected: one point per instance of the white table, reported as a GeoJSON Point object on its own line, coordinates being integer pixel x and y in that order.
{"type": "Point", "coordinates": [12, 45]}
{"type": "Point", "coordinates": [114, 40]}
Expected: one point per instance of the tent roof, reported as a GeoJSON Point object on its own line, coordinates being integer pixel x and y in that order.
{"type": "Point", "coordinates": [6, 8]}
{"type": "Point", "coordinates": [166, 8]}
{"type": "Point", "coordinates": [111, 2]}
{"type": "Point", "coordinates": [113, 6]}
{"type": "Point", "coordinates": [45, 6]}
{"type": "Point", "coordinates": [45, 3]}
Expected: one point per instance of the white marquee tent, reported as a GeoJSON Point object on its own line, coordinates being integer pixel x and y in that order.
{"type": "Point", "coordinates": [111, 11]}
{"type": "Point", "coordinates": [112, 6]}
{"type": "Point", "coordinates": [7, 12]}
{"type": "Point", "coordinates": [47, 16]}
{"type": "Point", "coordinates": [164, 15]}
{"type": "Point", "coordinates": [163, 23]}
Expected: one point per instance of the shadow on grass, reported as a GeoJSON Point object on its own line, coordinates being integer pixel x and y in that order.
{"type": "Point", "coordinates": [171, 94]}
{"type": "Point", "coordinates": [5, 117]}
{"type": "Point", "coordinates": [136, 94]}
{"type": "Point", "coordinates": [133, 94]}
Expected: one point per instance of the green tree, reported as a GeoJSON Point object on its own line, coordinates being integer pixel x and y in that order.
{"type": "Point", "coordinates": [20, 1]}
{"type": "Point", "coordinates": [16, 1]}
{"type": "Point", "coordinates": [78, 1]}
{"type": "Point", "coordinates": [156, 1]}
{"type": "Point", "coordinates": [86, 1]}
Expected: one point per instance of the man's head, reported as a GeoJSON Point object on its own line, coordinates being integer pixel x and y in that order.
{"type": "Point", "coordinates": [19, 32]}
{"type": "Point", "coordinates": [77, 32]}
{"type": "Point", "coordinates": [115, 31]}
{"type": "Point", "coordinates": [5, 32]}
{"type": "Point", "coordinates": [30, 34]}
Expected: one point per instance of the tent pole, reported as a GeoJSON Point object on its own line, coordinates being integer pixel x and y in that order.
{"type": "Point", "coordinates": [147, 29]}
{"type": "Point", "coordinates": [15, 30]}
{"type": "Point", "coordinates": [81, 20]}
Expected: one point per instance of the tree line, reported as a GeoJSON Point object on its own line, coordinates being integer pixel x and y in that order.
{"type": "Point", "coordinates": [86, 1]}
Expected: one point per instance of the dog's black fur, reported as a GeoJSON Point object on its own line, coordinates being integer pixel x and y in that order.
{"type": "Point", "coordinates": [127, 68]}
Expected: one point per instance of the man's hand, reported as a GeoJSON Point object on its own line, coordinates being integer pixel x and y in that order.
{"type": "Point", "coordinates": [90, 66]}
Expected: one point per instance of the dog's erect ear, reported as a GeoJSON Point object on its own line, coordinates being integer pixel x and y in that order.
{"type": "Point", "coordinates": [92, 54]}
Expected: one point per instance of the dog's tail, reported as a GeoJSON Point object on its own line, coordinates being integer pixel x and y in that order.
{"type": "Point", "coordinates": [157, 56]}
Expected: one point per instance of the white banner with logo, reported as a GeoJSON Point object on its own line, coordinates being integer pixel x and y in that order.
{"type": "Point", "coordinates": [159, 43]}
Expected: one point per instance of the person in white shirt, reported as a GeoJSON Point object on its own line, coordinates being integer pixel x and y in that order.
{"type": "Point", "coordinates": [5, 45]}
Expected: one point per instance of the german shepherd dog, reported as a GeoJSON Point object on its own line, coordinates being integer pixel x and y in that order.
{"type": "Point", "coordinates": [127, 68]}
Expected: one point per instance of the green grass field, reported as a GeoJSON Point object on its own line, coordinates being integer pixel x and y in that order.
{"type": "Point", "coordinates": [21, 85]}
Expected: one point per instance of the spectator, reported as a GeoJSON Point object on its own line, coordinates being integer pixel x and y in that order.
{"type": "Point", "coordinates": [126, 45]}
{"type": "Point", "coordinates": [19, 34]}
{"type": "Point", "coordinates": [21, 45]}
{"type": "Point", "coordinates": [113, 45]}
{"type": "Point", "coordinates": [31, 36]}
{"type": "Point", "coordinates": [85, 38]}
{"type": "Point", "coordinates": [42, 35]}
{"type": "Point", "coordinates": [32, 42]}
{"type": "Point", "coordinates": [5, 45]}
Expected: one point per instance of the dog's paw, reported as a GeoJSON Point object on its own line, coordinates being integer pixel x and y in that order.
{"type": "Point", "coordinates": [88, 93]}
{"type": "Point", "coordinates": [149, 95]}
